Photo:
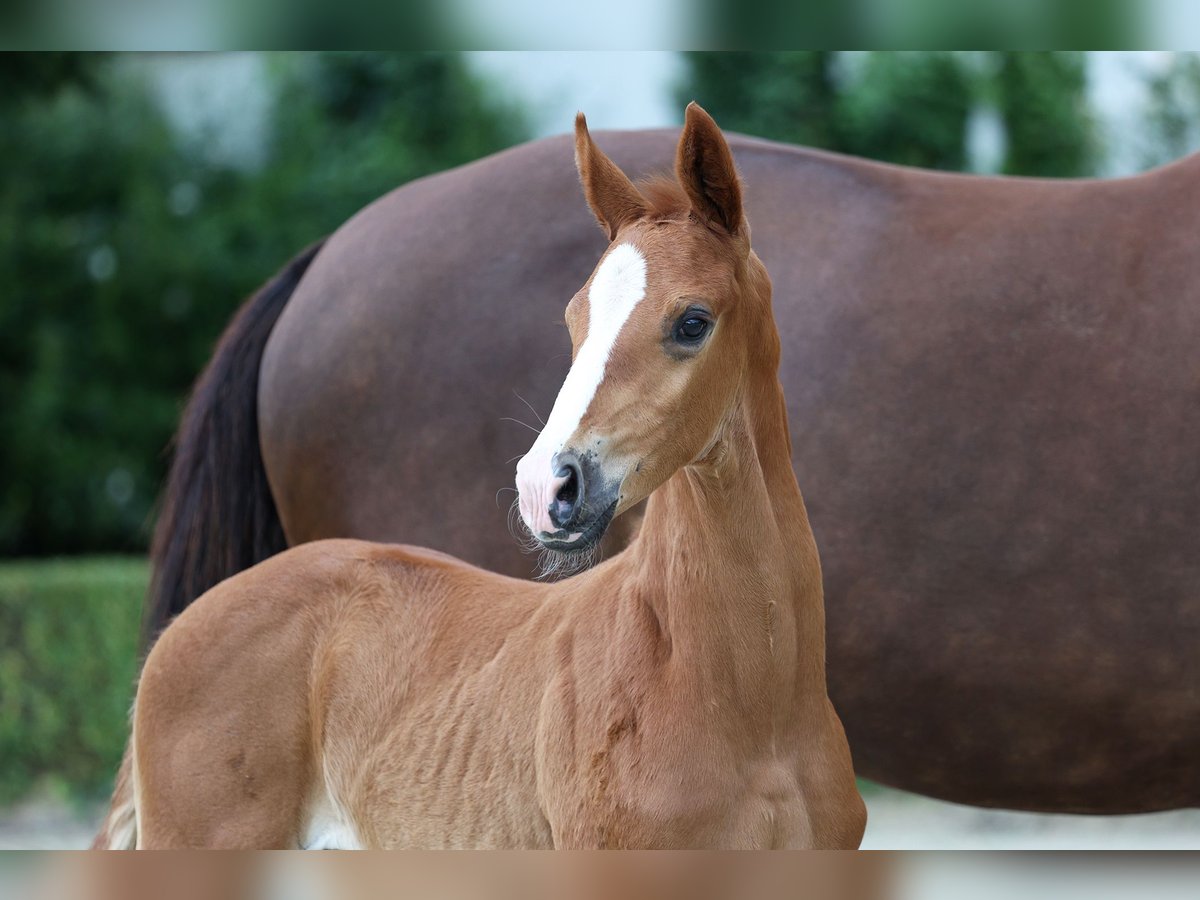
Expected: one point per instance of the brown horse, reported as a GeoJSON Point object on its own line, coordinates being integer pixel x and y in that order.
{"type": "Point", "coordinates": [994, 391]}
{"type": "Point", "coordinates": [361, 695]}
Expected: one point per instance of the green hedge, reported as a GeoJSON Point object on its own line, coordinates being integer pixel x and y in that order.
{"type": "Point", "coordinates": [68, 658]}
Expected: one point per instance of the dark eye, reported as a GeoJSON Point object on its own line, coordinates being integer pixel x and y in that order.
{"type": "Point", "coordinates": [690, 329]}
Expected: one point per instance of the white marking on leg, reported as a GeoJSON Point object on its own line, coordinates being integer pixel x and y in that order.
{"type": "Point", "coordinates": [327, 826]}
{"type": "Point", "coordinates": [617, 287]}
{"type": "Point", "coordinates": [122, 826]}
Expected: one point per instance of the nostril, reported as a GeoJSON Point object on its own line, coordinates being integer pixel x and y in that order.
{"type": "Point", "coordinates": [567, 499]}
{"type": "Point", "coordinates": [569, 492]}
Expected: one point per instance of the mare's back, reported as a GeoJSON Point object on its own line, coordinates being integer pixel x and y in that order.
{"type": "Point", "coordinates": [992, 387]}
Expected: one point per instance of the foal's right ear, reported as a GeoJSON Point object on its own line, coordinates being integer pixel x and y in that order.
{"type": "Point", "coordinates": [611, 195]}
{"type": "Point", "coordinates": [705, 169]}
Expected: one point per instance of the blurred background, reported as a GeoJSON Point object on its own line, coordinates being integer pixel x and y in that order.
{"type": "Point", "coordinates": [145, 195]}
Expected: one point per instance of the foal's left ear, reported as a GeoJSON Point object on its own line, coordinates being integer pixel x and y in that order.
{"type": "Point", "coordinates": [614, 199]}
{"type": "Point", "coordinates": [705, 169]}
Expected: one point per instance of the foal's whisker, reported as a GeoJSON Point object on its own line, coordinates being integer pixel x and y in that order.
{"type": "Point", "coordinates": [551, 563]}
{"type": "Point", "coordinates": [531, 409]}
{"type": "Point", "coordinates": [506, 488]}
{"type": "Point", "coordinates": [524, 539]}
{"type": "Point", "coordinates": [519, 422]}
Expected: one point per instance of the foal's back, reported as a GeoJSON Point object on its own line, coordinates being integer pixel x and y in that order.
{"type": "Point", "coordinates": [332, 675]}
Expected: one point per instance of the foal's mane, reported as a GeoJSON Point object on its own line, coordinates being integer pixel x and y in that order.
{"type": "Point", "coordinates": [666, 199]}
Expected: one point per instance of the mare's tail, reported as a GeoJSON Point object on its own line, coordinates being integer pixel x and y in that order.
{"type": "Point", "coordinates": [217, 515]}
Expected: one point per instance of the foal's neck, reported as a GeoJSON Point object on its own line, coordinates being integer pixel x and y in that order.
{"type": "Point", "coordinates": [727, 563]}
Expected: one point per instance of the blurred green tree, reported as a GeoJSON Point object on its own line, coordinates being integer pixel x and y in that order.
{"type": "Point", "coordinates": [912, 108]}
{"type": "Point", "coordinates": [124, 249]}
{"type": "Point", "coordinates": [786, 96]}
{"type": "Point", "coordinates": [38, 74]}
{"type": "Point", "coordinates": [1042, 97]}
{"type": "Point", "coordinates": [899, 107]}
{"type": "Point", "coordinates": [1171, 123]}
{"type": "Point", "coordinates": [909, 108]}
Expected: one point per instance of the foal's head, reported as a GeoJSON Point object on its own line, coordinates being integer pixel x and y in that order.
{"type": "Point", "coordinates": [663, 332]}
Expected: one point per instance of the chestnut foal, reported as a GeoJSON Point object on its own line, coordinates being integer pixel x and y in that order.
{"type": "Point", "coordinates": [347, 694]}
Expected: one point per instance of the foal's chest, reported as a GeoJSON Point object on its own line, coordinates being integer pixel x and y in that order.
{"type": "Point", "coordinates": [633, 785]}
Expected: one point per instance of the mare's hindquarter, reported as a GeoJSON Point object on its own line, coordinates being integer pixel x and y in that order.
{"type": "Point", "coordinates": [354, 695]}
{"type": "Point", "coordinates": [993, 392]}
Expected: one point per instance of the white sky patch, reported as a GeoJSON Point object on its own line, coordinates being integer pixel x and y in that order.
{"type": "Point", "coordinates": [626, 89]}
{"type": "Point", "coordinates": [1172, 24]}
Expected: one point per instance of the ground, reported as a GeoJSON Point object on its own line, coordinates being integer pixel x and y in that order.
{"type": "Point", "coordinates": [897, 821]}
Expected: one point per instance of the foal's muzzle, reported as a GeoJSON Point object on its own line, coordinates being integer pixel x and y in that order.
{"type": "Point", "coordinates": [564, 501]}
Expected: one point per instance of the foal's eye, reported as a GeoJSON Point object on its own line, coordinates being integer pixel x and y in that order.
{"type": "Point", "coordinates": [691, 328]}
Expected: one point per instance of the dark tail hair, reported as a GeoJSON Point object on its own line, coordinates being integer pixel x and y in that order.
{"type": "Point", "coordinates": [217, 515]}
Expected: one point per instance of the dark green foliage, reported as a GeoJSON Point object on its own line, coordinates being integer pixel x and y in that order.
{"type": "Point", "coordinates": [68, 657]}
{"type": "Point", "coordinates": [353, 23]}
{"type": "Point", "coordinates": [904, 107]}
{"type": "Point", "coordinates": [899, 107]}
{"type": "Point", "coordinates": [124, 251]}
{"type": "Point", "coordinates": [81, 322]}
{"type": "Point", "coordinates": [786, 96]}
{"type": "Point", "coordinates": [1042, 97]}
{"type": "Point", "coordinates": [42, 74]}
{"type": "Point", "coordinates": [1003, 23]}
{"type": "Point", "coordinates": [909, 108]}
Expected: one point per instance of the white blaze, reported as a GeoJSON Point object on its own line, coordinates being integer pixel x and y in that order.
{"type": "Point", "coordinates": [617, 287]}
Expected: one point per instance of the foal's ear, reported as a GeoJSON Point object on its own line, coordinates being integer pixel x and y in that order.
{"type": "Point", "coordinates": [704, 167]}
{"type": "Point", "coordinates": [610, 193]}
